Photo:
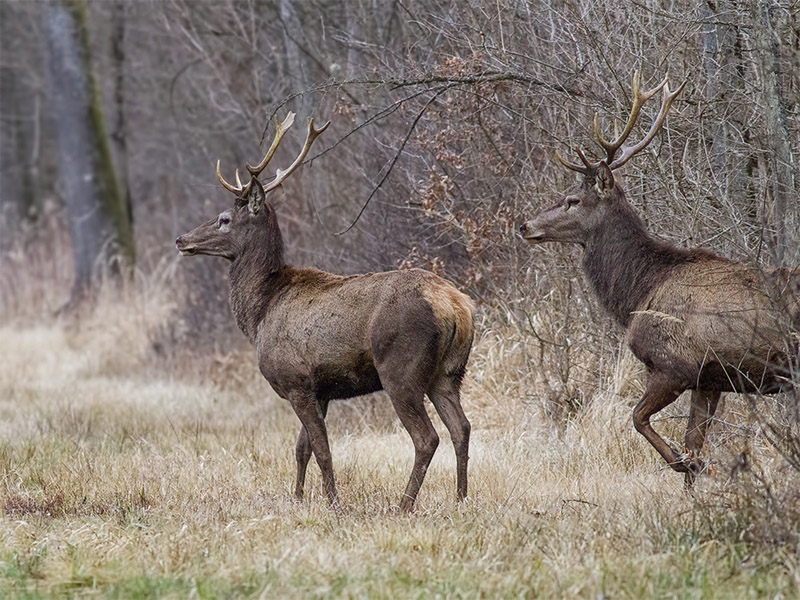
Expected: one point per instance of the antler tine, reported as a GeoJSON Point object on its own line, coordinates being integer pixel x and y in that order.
{"type": "Point", "coordinates": [666, 102]}
{"type": "Point", "coordinates": [282, 174]}
{"type": "Point", "coordinates": [228, 186]}
{"type": "Point", "coordinates": [280, 130]}
{"type": "Point", "coordinates": [638, 101]}
{"type": "Point", "coordinates": [246, 187]}
{"type": "Point", "coordinates": [569, 165]}
{"type": "Point", "coordinates": [588, 167]}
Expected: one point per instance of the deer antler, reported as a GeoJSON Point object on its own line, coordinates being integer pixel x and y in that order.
{"type": "Point", "coordinates": [611, 148]}
{"type": "Point", "coordinates": [588, 168]}
{"type": "Point", "coordinates": [239, 189]}
{"type": "Point", "coordinates": [638, 101]}
{"type": "Point", "coordinates": [236, 189]}
{"type": "Point", "coordinates": [282, 174]}
{"type": "Point", "coordinates": [280, 130]}
{"type": "Point", "coordinates": [629, 151]}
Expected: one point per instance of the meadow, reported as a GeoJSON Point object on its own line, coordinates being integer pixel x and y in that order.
{"type": "Point", "coordinates": [142, 455]}
{"type": "Point", "coordinates": [128, 471]}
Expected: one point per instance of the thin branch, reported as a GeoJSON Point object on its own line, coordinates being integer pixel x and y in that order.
{"type": "Point", "coordinates": [396, 155]}
{"type": "Point", "coordinates": [395, 84]}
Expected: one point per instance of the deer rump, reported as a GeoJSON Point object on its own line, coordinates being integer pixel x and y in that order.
{"type": "Point", "coordinates": [713, 325]}
{"type": "Point", "coordinates": [332, 334]}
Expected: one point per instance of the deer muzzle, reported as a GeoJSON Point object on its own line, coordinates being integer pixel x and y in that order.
{"type": "Point", "coordinates": [185, 248]}
{"type": "Point", "coordinates": [533, 235]}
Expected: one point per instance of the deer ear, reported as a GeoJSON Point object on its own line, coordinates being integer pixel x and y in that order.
{"type": "Point", "coordinates": [256, 196]}
{"type": "Point", "coordinates": [604, 181]}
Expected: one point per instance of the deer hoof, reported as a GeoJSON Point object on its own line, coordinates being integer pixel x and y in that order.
{"type": "Point", "coordinates": [694, 468]}
{"type": "Point", "coordinates": [697, 466]}
{"type": "Point", "coordinates": [682, 463]}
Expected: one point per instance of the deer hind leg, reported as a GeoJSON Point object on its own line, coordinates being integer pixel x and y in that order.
{"type": "Point", "coordinates": [446, 399]}
{"type": "Point", "coordinates": [409, 405]}
{"type": "Point", "coordinates": [703, 407]}
{"type": "Point", "coordinates": [661, 391]}
{"type": "Point", "coordinates": [312, 416]}
{"type": "Point", "coordinates": [303, 454]}
{"type": "Point", "coordinates": [405, 344]}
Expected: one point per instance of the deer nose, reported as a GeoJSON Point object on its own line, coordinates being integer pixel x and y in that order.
{"type": "Point", "coordinates": [178, 241]}
{"type": "Point", "coordinates": [523, 229]}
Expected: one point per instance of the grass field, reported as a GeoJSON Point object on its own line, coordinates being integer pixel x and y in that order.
{"type": "Point", "coordinates": [125, 474]}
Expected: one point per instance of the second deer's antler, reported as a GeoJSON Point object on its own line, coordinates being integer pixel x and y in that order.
{"type": "Point", "coordinates": [611, 148]}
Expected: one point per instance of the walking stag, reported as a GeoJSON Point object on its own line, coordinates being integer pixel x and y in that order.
{"type": "Point", "coordinates": [698, 321]}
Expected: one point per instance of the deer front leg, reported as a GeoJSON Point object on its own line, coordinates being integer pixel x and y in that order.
{"type": "Point", "coordinates": [303, 454]}
{"type": "Point", "coordinates": [312, 416]}
{"type": "Point", "coordinates": [704, 405]}
{"type": "Point", "coordinates": [661, 391]}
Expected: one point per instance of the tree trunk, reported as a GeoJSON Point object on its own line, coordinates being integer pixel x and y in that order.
{"type": "Point", "coordinates": [99, 220]}
{"type": "Point", "coordinates": [297, 67]}
{"type": "Point", "coordinates": [717, 58]}
{"type": "Point", "coordinates": [119, 133]}
{"type": "Point", "coordinates": [780, 161]}
{"type": "Point", "coordinates": [18, 113]}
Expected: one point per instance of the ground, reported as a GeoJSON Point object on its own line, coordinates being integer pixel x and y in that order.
{"type": "Point", "coordinates": [121, 477]}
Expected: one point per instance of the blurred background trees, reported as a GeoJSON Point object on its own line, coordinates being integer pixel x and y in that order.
{"type": "Point", "coordinates": [99, 220]}
{"type": "Point", "coordinates": [446, 117]}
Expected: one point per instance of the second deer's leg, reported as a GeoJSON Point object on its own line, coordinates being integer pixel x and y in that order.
{"type": "Point", "coordinates": [661, 391]}
{"type": "Point", "coordinates": [303, 454]}
{"type": "Point", "coordinates": [312, 417]}
{"type": "Point", "coordinates": [446, 399]}
{"type": "Point", "coordinates": [703, 407]}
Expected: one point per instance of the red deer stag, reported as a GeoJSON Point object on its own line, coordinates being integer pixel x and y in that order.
{"type": "Point", "coordinates": [320, 336]}
{"type": "Point", "coordinates": [698, 321]}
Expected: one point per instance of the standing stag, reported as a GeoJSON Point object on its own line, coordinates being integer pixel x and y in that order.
{"type": "Point", "coordinates": [698, 321]}
{"type": "Point", "coordinates": [320, 336]}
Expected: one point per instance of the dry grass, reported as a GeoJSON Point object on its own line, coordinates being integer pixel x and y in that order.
{"type": "Point", "coordinates": [122, 477]}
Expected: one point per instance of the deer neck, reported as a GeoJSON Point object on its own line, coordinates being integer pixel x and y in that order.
{"type": "Point", "coordinates": [255, 280]}
{"type": "Point", "coordinates": [625, 264]}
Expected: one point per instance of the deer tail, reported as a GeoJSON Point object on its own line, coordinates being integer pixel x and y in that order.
{"type": "Point", "coordinates": [455, 315]}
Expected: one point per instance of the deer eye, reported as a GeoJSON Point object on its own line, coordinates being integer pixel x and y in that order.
{"type": "Point", "coordinates": [572, 201]}
{"type": "Point", "coordinates": [224, 220]}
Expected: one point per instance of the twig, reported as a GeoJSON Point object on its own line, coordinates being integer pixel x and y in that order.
{"type": "Point", "coordinates": [396, 156]}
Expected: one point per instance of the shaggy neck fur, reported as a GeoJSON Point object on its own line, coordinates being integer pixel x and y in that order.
{"type": "Point", "coordinates": [625, 264]}
{"type": "Point", "coordinates": [255, 275]}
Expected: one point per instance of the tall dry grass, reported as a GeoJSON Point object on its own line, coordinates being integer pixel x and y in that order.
{"type": "Point", "coordinates": [131, 466]}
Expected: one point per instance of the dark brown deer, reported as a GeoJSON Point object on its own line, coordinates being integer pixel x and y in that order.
{"type": "Point", "coordinates": [320, 337]}
{"type": "Point", "coordinates": [698, 321]}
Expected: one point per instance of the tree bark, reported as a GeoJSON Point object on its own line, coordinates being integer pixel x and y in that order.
{"type": "Point", "coordinates": [119, 133]}
{"type": "Point", "coordinates": [717, 59]}
{"type": "Point", "coordinates": [297, 67]}
{"type": "Point", "coordinates": [780, 161]}
{"type": "Point", "coordinates": [17, 117]}
{"type": "Point", "coordinates": [99, 220]}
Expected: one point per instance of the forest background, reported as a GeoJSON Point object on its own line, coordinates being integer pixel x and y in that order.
{"type": "Point", "coordinates": [141, 452]}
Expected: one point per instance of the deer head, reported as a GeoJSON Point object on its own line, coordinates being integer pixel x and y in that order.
{"type": "Point", "coordinates": [580, 212]}
{"type": "Point", "coordinates": [230, 232]}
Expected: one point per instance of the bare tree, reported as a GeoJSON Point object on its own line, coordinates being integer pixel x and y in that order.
{"type": "Point", "coordinates": [779, 161]}
{"type": "Point", "coordinates": [100, 224]}
{"type": "Point", "coordinates": [19, 115]}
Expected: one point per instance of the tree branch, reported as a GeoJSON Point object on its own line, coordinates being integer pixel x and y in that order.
{"type": "Point", "coordinates": [397, 154]}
